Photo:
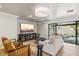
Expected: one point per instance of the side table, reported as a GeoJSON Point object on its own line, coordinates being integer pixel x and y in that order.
{"type": "Point", "coordinates": [39, 49]}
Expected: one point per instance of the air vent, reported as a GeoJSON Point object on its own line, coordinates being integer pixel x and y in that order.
{"type": "Point", "coordinates": [69, 11]}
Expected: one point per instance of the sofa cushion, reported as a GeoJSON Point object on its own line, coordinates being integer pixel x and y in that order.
{"type": "Point", "coordinates": [52, 49]}
{"type": "Point", "coordinates": [51, 39]}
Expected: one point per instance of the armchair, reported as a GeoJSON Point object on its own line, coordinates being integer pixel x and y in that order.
{"type": "Point", "coordinates": [22, 50]}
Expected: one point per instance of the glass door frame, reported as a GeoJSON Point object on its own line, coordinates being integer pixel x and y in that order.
{"type": "Point", "coordinates": [75, 30]}
{"type": "Point", "coordinates": [54, 28]}
{"type": "Point", "coordinates": [76, 23]}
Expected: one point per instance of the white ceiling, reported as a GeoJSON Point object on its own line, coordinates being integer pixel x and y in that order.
{"type": "Point", "coordinates": [27, 10]}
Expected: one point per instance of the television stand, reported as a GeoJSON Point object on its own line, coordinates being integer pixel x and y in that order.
{"type": "Point", "coordinates": [27, 36]}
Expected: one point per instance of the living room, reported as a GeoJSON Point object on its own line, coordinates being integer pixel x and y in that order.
{"type": "Point", "coordinates": [32, 24]}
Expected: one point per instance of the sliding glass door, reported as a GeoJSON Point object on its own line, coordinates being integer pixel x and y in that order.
{"type": "Point", "coordinates": [52, 29]}
{"type": "Point", "coordinates": [77, 32]}
{"type": "Point", "coordinates": [67, 32]}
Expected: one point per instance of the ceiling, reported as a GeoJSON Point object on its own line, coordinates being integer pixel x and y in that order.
{"type": "Point", "coordinates": [26, 11]}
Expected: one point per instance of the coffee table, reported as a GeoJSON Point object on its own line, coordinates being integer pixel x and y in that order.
{"type": "Point", "coordinates": [36, 49]}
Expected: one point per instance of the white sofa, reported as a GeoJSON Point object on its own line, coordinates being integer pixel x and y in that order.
{"type": "Point", "coordinates": [52, 48]}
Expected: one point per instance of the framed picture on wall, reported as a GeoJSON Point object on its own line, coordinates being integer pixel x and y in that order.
{"type": "Point", "coordinates": [26, 28]}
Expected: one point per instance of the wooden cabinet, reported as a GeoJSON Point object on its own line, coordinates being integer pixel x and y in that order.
{"type": "Point", "coordinates": [28, 36]}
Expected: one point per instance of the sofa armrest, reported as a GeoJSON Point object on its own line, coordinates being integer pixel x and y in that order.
{"type": "Point", "coordinates": [19, 48]}
{"type": "Point", "coordinates": [13, 40]}
{"type": "Point", "coordinates": [28, 46]}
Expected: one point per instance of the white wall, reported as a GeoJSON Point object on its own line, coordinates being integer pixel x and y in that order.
{"type": "Point", "coordinates": [42, 27]}
{"type": "Point", "coordinates": [8, 26]}
{"type": "Point", "coordinates": [27, 22]}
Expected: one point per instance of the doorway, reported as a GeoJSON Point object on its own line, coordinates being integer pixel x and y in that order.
{"type": "Point", "coordinates": [68, 30]}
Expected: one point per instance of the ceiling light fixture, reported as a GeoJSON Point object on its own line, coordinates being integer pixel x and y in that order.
{"type": "Point", "coordinates": [41, 12]}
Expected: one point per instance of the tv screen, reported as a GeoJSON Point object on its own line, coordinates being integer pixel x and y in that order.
{"type": "Point", "coordinates": [27, 27]}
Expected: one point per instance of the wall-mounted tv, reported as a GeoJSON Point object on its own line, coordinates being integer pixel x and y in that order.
{"type": "Point", "coordinates": [26, 28]}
